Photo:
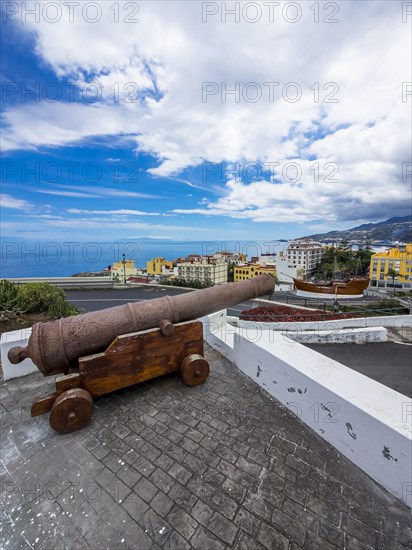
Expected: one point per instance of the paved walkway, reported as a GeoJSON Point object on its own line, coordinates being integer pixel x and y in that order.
{"type": "Point", "coordinates": [163, 465]}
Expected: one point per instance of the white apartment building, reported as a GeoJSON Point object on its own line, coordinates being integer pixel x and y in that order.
{"type": "Point", "coordinates": [304, 253]}
{"type": "Point", "coordinates": [191, 271]}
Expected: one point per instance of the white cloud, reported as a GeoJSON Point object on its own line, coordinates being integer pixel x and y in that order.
{"type": "Point", "coordinates": [89, 191]}
{"type": "Point", "coordinates": [170, 52]}
{"type": "Point", "coordinates": [7, 201]}
{"type": "Point", "coordinates": [121, 212]}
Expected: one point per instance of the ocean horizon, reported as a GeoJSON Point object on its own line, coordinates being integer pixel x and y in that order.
{"type": "Point", "coordinates": [52, 258]}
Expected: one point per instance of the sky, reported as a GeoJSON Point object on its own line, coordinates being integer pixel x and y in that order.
{"type": "Point", "coordinates": [203, 120]}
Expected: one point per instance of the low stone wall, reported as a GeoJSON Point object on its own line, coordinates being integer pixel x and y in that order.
{"type": "Point", "coordinates": [367, 422]}
{"type": "Point", "coordinates": [7, 341]}
{"type": "Point", "coordinates": [384, 321]}
{"type": "Point", "coordinates": [340, 336]}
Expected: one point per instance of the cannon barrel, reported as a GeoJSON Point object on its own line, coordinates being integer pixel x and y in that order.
{"type": "Point", "coordinates": [55, 346]}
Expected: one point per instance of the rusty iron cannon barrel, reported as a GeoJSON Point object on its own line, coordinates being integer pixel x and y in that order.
{"type": "Point", "coordinates": [55, 346]}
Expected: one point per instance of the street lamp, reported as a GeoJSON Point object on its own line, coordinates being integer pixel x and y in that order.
{"type": "Point", "coordinates": [124, 268]}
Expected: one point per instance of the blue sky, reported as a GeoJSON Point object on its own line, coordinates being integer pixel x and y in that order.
{"type": "Point", "coordinates": [176, 120]}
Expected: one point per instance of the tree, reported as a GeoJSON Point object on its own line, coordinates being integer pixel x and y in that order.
{"type": "Point", "coordinates": [392, 273]}
{"type": "Point", "coordinates": [230, 271]}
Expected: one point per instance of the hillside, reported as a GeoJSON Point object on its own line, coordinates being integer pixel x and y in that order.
{"type": "Point", "coordinates": [394, 229]}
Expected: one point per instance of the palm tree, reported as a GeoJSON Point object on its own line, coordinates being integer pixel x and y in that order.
{"type": "Point", "coordinates": [392, 273]}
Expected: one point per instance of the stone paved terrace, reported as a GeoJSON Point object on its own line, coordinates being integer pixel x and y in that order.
{"type": "Point", "coordinates": [162, 465]}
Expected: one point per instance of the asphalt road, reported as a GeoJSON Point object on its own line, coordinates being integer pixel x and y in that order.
{"type": "Point", "coordinates": [94, 300]}
{"type": "Point", "coordinates": [388, 363]}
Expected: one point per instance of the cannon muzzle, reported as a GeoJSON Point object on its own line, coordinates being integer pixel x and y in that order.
{"type": "Point", "coordinates": [56, 346]}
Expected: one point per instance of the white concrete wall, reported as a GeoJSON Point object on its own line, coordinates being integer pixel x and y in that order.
{"type": "Point", "coordinates": [367, 422]}
{"type": "Point", "coordinates": [332, 334]}
{"type": "Point", "coordinates": [340, 336]}
{"type": "Point", "coordinates": [10, 340]}
{"type": "Point", "coordinates": [387, 321]}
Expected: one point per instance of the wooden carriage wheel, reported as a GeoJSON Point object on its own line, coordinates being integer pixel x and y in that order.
{"type": "Point", "coordinates": [194, 369]}
{"type": "Point", "coordinates": [71, 411]}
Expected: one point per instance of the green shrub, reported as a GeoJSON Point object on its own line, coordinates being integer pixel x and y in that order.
{"type": "Point", "coordinates": [8, 295]}
{"type": "Point", "coordinates": [35, 298]}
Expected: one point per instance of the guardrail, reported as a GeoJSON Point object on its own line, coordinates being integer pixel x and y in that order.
{"type": "Point", "coordinates": [67, 282]}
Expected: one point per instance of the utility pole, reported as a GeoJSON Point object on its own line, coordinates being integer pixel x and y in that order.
{"type": "Point", "coordinates": [124, 268]}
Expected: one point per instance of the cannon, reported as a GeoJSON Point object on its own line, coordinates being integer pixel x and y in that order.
{"type": "Point", "coordinates": [103, 351]}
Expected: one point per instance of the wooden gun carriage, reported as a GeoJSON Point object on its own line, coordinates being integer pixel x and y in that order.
{"type": "Point", "coordinates": [103, 351]}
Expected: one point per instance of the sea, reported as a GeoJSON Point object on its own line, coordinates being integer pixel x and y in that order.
{"type": "Point", "coordinates": [24, 258]}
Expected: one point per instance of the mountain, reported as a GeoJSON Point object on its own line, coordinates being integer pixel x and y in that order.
{"type": "Point", "coordinates": [394, 229]}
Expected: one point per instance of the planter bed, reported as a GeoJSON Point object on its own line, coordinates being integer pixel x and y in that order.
{"type": "Point", "coordinates": [286, 314]}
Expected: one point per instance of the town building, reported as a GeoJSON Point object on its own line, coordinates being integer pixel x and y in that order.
{"type": "Point", "coordinates": [398, 259]}
{"type": "Point", "coordinates": [286, 272]}
{"type": "Point", "coordinates": [159, 266]}
{"type": "Point", "coordinates": [123, 270]}
{"type": "Point", "coordinates": [279, 267]}
{"type": "Point", "coordinates": [203, 271]}
{"type": "Point", "coordinates": [245, 271]}
{"type": "Point", "coordinates": [305, 253]}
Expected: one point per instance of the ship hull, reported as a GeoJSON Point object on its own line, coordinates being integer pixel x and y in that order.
{"type": "Point", "coordinates": [352, 289]}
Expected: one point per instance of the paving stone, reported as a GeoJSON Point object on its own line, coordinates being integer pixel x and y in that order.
{"type": "Point", "coordinates": [145, 489]}
{"type": "Point", "coordinates": [189, 445]}
{"type": "Point", "coordinates": [209, 443]}
{"type": "Point", "coordinates": [258, 506]}
{"type": "Point", "coordinates": [176, 542]}
{"type": "Point", "coordinates": [164, 462]}
{"type": "Point", "coordinates": [224, 504]}
{"type": "Point", "coordinates": [156, 527]}
{"type": "Point", "coordinates": [195, 465]}
{"type": "Point", "coordinates": [248, 522]}
{"type": "Point", "coordinates": [288, 526]}
{"type": "Point", "coordinates": [360, 531]}
{"type": "Point", "coordinates": [204, 539]}
{"type": "Point", "coordinates": [213, 477]}
{"type": "Point", "coordinates": [135, 507]}
{"type": "Point", "coordinates": [113, 461]}
{"type": "Point", "coordinates": [182, 496]}
{"type": "Point", "coordinates": [202, 512]}
{"type": "Point", "coordinates": [182, 522]}
{"type": "Point", "coordinates": [179, 473]}
{"type": "Point", "coordinates": [324, 509]}
{"type": "Point", "coordinates": [195, 435]}
{"type": "Point", "coordinates": [302, 514]}
{"type": "Point", "coordinates": [144, 466]}
{"type": "Point", "coordinates": [223, 528]}
{"type": "Point", "coordinates": [162, 480]}
{"type": "Point", "coordinates": [246, 542]}
{"type": "Point", "coordinates": [150, 451]}
{"type": "Point", "coordinates": [234, 490]}
{"type": "Point", "coordinates": [161, 503]}
{"type": "Point", "coordinates": [128, 475]}
{"type": "Point", "coordinates": [249, 467]}
{"type": "Point", "coordinates": [271, 539]}
{"type": "Point", "coordinates": [331, 533]}
{"type": "Point", "coordinates": [84, 518]}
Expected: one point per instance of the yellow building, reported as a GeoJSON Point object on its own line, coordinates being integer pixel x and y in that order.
{"type": "Point", "coordinates": [121, 271]}
{"type": "Point", "coordinates": [399, 259]}
{"type": "Point", "coordinates": [247, 271]}
{"type": "Point", "coordinates": [155, 266]}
